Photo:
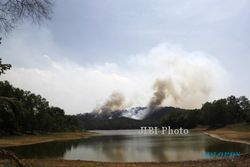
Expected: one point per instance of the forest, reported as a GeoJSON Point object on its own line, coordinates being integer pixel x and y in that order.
{"type": "Point", "coordinates": [214, 114]}
{"type": "Point", "coordinates": [25, 112]}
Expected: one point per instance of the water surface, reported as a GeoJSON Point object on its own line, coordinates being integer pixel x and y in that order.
{"type": "Point", "coordinates": [129, 146]}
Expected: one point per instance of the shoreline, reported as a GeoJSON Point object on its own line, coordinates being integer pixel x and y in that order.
{"type": "Point", "coordinates": [243, 160]}
{"type": "Point", "coordinates": [238, 133]}
{"type": "Point", "coordinates": [226, 139]}
{"type": "Point", "coordinates": [220, 134]}
{"type": "Point", "coordinates": [12, 141]}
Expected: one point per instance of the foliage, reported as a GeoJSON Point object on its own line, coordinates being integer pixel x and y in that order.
{"type": "Point", "coordinates": [4, 67]}
{"type": "Point", "coordinates": [87, 121]}
{"type": "Point", "coordinates": [184, 118]}
{"type": "Point", "coordinates": [24, 112]}
{"type": "Point", "coordinates": [215, 114]}
{"type": "Point", "coordinates": [12, 11]}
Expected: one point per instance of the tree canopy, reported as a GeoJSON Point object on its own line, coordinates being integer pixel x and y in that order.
{"type": "Point", "coordinates": [4, 67]}
{"type": "Point", "coordinates": [25, 112]}
{"type": "Point", "coordinates": [218, 113]}
{"type": "Point", "coordinates": [13, 11]}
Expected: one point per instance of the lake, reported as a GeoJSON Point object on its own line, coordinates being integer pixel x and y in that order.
{"type": "Point", "coordinates": [130, 146]}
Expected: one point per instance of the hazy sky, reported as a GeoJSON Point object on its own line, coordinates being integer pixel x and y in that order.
{"type": "Point", "coordinates": [91, 48]}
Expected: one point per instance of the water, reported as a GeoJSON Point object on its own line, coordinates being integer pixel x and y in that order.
{"type": "Point", "coordinates": [129, 146]}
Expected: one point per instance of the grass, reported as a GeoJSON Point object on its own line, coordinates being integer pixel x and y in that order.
{"type": "Point", "coordinates": [34, 139]}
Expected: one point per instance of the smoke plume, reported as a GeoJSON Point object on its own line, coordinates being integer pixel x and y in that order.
{"type": "Point", "coordinates": [114, 102]}
{"type": "Point", "coordinates": [162, 89]}
{"type": "Point", "coordinates": [187, 79]}
{"type": "Point", "coordinates": [180, 78]}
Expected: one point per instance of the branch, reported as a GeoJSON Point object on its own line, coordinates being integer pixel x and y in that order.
{"type": "Point", "coordinates": [10, 155]}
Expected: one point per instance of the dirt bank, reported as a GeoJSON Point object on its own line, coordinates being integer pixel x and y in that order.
{"type": "Point", "coordinates": [235, 133]}
{"type": "Point", "coordinates": [34, 139]}
{"type": "Point", "coordinates": [242, 161]}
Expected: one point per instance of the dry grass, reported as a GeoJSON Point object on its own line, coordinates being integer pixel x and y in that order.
{"type": "Point", "coordinates": [238, 133]}
{"type": "Point", "coordinates": [34, 139]}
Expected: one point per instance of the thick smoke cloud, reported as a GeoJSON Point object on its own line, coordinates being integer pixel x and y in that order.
{"type": "Point", "coordinates": [187, 79]}
{"type": "Point", "coordinates": [162, 89]}
{"type": "Point", "coordinates": [179, 78]}
{"type": "Point", "coordinates": [114, 102]}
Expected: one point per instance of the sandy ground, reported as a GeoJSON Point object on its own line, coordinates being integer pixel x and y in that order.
{"type": "Point", "coordinates": [34, 139]}
{"type": "Point", "coordinates": [234, 133]}
{"type": "Point", "coordinates": [228, 136]}
{"type": "Point", "coordinates": [242, 161]}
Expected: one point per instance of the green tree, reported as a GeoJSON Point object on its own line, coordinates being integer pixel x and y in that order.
{"type": "Point", "coordinates": [235, 113]}
{"type": "Point", "coordinates": [25, 112]}
{"type": "Point", "coordinates": [11, 115]}
{"type": "Point", "coordinates": [215, 114]}
{"type": "Point", "coordinates": [174, 119]}
{"type": "Point", "coordinates": [245, 107]}
{"type": "Point", "coordinates": [4, 67]}
{"type": "Point", "coordinates": [248, 116]}
{"type": "Point", "coordinates": [191, 118]}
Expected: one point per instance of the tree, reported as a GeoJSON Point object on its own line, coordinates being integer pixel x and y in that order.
{"type": "Point", "coordinates": [4, 67]}
{"type": "Point", "coordinates": [248, 116]}
{"type": "Point", "coordinates": [174, 119]}
{"type": "Point", "coordinates": [191, 118]}
{"type": "Point", "coordinates": [234, 110]}
{"type": "Point", "coordinates": [245, 107]}
{"type": "Point", "coordinates": [25, 112]}
{"type": "Point", "coordinates": [13, 11]}
{"type": "Point", "coordinates": [215, 114]}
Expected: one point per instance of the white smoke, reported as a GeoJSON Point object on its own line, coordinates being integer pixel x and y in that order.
{"type": "Point", "coordinates": [180, 78]}
{"type": "Point", "coordinates": [114, 102]}
{"type": "Point", "coordinates": [195, 77]}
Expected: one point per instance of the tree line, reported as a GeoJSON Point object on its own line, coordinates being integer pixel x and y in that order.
{"type": "Point", "coordinates": [22, 111]}
{"type": "Point", "coordinates": [215, 114]}
{"type": "Point", "coordinates": [25, 112]}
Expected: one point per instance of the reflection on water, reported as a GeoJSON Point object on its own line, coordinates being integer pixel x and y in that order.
{"type": "Point", "coordinates": [129, 146]}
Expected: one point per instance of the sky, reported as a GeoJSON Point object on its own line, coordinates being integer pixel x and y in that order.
{"type": "Point", "coordinates": [90, 49]}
